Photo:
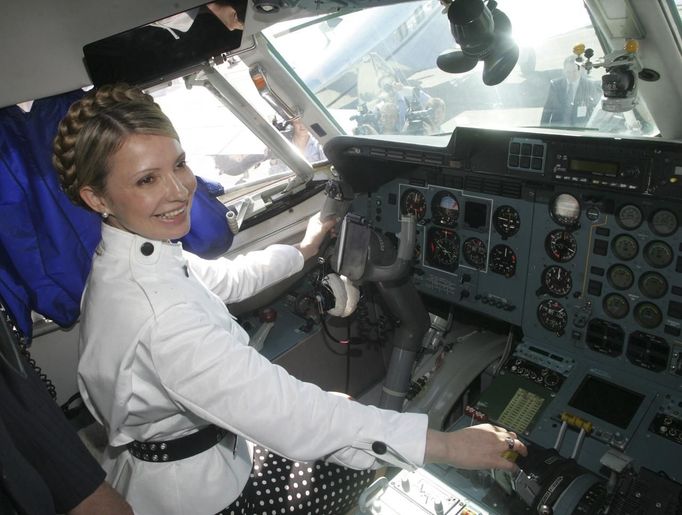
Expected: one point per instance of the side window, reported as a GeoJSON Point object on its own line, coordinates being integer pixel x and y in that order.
{"type": "Point", "coordinates": [219, 147]}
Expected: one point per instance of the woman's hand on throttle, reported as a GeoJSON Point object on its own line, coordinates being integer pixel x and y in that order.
{"type": "Point", "coordinates": [482, 446]}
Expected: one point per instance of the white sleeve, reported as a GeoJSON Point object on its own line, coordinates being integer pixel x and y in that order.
{"type": "Point", "coordinates": [242, 277]}
{"type": "Point", "coordinates": [231, 385]}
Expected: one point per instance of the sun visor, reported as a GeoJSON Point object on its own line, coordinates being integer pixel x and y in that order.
{"type": "Point", "coordinates": [160, 51]}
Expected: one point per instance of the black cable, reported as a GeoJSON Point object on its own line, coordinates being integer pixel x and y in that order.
{"type": "Point", "coordinates": [325, 332]}
{"type": "Point", "coordinates": [348, 339]}
{"type": "Point", "coordinates": [22, 344]}
{"type": "Point", "coordinates": [51, 389]}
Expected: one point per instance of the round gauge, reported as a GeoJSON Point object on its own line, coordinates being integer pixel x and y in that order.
{"type": "Point", "coordinates": [557, 281]}
{"type": "Point", "coordinates": [444, 209]}
{"type": "Point", "coordinates": [648, 315]}
{"type": "Point", "coordinates": [565, 210]}
{"type": "Point", "coordinates": [653, 285]}
{"type": "Point", "coordinates": [552, 316]}
{"type": "Point", "coordinates": [475, 252]}
{"type": "Point", "coordinates": [625, 247]}
{"type": "Point", "coordinates": [620, 277]}
{"type": "Point", "coordinates": [592, 213]}
{"type": "Point", "coordinates": [561, 245]}
{"type": "Point", "coordinates": [615, 305]}
{"type": "Point", "coordinates": [442, 249]}
{"type": "Point", "coordinates": [503, 260]}
{"type": "Point", "coordinates": [506, 221]}
{"type": "Point", "coordinates": [664, 222]}
{"type": "Point", "coordinates": [630, 217]}
{"type": "Point", "coordinates": [658, 254]}
{"type": "Point", "coordinates": [413, 203]}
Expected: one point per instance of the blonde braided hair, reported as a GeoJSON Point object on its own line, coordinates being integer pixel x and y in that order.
{"type": "Point", "coordinates": [95, 127]}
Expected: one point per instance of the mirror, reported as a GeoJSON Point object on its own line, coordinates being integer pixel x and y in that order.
{"type": "Point", "coordinates": [166, 49]}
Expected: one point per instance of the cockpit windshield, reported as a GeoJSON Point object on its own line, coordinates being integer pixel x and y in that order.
{"type": "Point", "coordinates": [375, 72]}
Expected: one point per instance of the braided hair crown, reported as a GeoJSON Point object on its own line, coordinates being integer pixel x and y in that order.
{"type": "Point", "coordinates": [95, 127]}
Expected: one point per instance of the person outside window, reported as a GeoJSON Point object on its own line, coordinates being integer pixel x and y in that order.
{"type": "Point", "coordinates": [571, 98]}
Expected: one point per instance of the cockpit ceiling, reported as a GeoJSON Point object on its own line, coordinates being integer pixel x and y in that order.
{"type": "Point", "coordinates": [42, 41]}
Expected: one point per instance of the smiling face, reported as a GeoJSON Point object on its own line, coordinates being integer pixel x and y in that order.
{"type": "Point", "coordinates": [149, 188]}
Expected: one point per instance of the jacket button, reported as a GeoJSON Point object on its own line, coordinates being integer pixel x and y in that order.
{"type": "Point", "coordinates": [147, 249]}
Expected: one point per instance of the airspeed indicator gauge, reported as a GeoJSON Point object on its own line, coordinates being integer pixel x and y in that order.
{"type": "Point", "coordinates": [413, 203]}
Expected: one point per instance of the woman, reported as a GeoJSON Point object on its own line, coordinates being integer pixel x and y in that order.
{"type": "Point", "coordinates": [168, 372]}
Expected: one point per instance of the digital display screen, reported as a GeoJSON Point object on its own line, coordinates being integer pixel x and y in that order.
{"type": "Point", "coordinates": [606, 401]}
{"type": "Point", "coordinates": [475, 214]}
{"type": "Point", "coordinates": [598, 167]}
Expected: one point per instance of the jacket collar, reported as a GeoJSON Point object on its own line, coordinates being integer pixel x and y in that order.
{"type": "Point", "coordinates": [119, 243]}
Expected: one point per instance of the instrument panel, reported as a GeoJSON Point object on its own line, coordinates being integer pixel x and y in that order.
{"type": "Point", "coordinates": [581, 251]}
{"type": "Point", "coordinates": [471, 248]}
{"type": "Point", "coordinates": [578, 267]}
{"type": "Point", "coordinates": [563, 265]}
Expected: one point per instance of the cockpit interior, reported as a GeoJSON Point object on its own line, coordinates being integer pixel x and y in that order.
{"type": "Point", "coordinates": [507, 176]}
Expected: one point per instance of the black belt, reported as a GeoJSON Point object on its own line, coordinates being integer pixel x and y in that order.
{"type": "Point", "coordinates": [181, 448]}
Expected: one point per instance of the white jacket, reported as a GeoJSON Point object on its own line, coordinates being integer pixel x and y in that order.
{"type": "Point", "coordinates": [161, 356]}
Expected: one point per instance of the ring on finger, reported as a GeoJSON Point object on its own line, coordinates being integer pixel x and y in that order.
{"type": "Point", "coordinates": [510, 442]}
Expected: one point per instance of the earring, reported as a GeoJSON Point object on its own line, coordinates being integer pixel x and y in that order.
{"type": "Point", "coordinates": [105, 215]}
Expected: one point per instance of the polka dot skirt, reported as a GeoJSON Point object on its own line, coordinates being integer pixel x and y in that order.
{"type": "Point", "coordinates": [278, 486]}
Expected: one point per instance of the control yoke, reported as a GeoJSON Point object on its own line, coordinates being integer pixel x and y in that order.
{"type": "Point", "coordinates": [361, 255]}
{"type": "Point", "coordinates": [353, 257]}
